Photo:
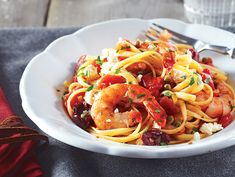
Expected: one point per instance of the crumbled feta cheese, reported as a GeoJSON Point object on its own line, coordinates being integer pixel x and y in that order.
{"type": "Point", "coordinates": [106, 67]}
{"type": "Point", "coordinates": [116, 110]}
{"type": "Point", "coordinates": [178, 75]}
{"type": "Point", "coordinates": [155, 125]}
{"type": "Point", "coordinates": [110, 54]}
{"type": "Point", "coordinates": [108, 120]}
{"type": "Point", "coordinates": [84, 113]}
{"type": "Point", "coordinates": [139, 77]}
{"type": "Point", "coordinates": [210, 128]}
{"type": "Point", "coordinates": [196, 136]}
{"type": "Point", "coordinates": [89, 97]}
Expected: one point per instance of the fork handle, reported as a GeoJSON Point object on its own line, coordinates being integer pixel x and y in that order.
{"type": "Point", "coordinates": [220, 49]}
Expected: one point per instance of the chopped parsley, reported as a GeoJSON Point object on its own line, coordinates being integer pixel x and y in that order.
{"type": "Point", "coordinates": [88, 73]}
{"type": "Point", "coordinates": [98, 61]}
{"type": "Point", "coordinates": [231, 106]}
{"type": "Point", "coordinates": [207, 80]}
{"type": "Point", "coordinates": [90, 88]}
{"type": "Point", "coordinates": [129, 82]}
{"type": "Point", "coordinates": [140, 72]}
{"type": "Point", "coordinates": [183, 77]}
{"type": "Point", "coordinates": [130, 100]}
{"type": "Point", "coordinates": [140, 95]}
{"type": "Point", "coordinates": [170, 119]}
{"type": "Point", "coordinates": [192, 81]}
{"type": "Point", "coordinates": [167, 93]}
{"type": "Point", "coordinates": [81, 68]}
{"type": "Point", "coordinates": [177, 123]}
{"type": "Point", "coordinates": [81, 74]}
{"type": "Point", "coordinates": [157, 110]}
{"type": "Point", "coordinates": [194, 130]}
{"type": "Point", "coordinates": [117, 71]}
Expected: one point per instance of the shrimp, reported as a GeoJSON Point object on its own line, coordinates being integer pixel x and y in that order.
{"type": "Point", "coordinates": [221, 105]}
{"type": "Point", "coordinates": [102, 110]}
{"type": "Point", "coordinates": [136, 67]}
{"type": "Point", "coordinates": [104, 105]}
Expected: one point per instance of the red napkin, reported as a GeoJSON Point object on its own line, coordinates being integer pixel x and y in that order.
{"type": "Point", "coordinates": [17, 144]}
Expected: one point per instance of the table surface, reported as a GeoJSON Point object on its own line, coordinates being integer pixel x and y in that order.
{"type": "Point", "coordinates": [64, 13]}
{"type": "Point", "coordinates": [18, 46]}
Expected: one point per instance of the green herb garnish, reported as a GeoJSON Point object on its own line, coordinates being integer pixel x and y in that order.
{"type": "Point", "coordinates": [88, 73]}
{"type": "Point", "coordinates": [157, 110]}
{"type": "Point", "coordinates": [183, 77]}
{"type": "Point", "coordinates": [98, 61]}
{"type": "Point", "coordinates": [167, 93]}
{"type": "Point", "coordinates": [192, 81]}
{"type": "Point", "coordinates": [177, 123]}
{"type": "Point", "coordinates": [231, 106]}
{"type": "Point", "coordinates": [79, 69]}
{"type": "Point", "coordinates": [207, 80]}
{"type": "Point", "coordinates": [129, 82]}
{"type": "Point", "coordinates": [130, 100]}
{"type": "Point", "coordinates": [170, 119]}
{"type": "Point", "coordinates": [140, 72]}
{"type": "Point", "coordinates": [117, 71]}
{"type": "Point", "coordinates": [140, 95]}
{"type": "Point", "coordinates": [90, 88]}
{"type": "Point", "coordinates": [81, 74]}
{"type": "Point", "coordinates": [194, 129]}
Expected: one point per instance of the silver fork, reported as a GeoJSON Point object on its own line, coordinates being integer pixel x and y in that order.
{"type": "Point", "coordinates": [198, 45]}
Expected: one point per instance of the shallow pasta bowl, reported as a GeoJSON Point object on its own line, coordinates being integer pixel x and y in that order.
{"type": "Point", "coordinates": [43, 78]}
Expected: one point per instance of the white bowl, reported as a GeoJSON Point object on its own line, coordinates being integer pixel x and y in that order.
{"type": "Point", "coordinates": [47, 71]}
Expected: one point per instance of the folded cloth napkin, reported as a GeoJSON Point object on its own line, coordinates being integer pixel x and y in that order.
{"type": "Point", "coordinates": [17, 144]}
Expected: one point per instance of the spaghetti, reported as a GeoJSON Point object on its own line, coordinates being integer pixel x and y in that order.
{"type": "Point", "coordinates": [149, 93]}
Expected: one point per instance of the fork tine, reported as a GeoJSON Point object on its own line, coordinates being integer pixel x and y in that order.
{"type": "Point", "coordinates": [150, 36]}
{"type": "Point", "coordinates": [156, 32]}
{"type": "Point", "coordinates": [185, 38]}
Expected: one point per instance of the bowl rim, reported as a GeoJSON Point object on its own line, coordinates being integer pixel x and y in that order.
{"type": "Point", "coordinates": [124, 150]}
